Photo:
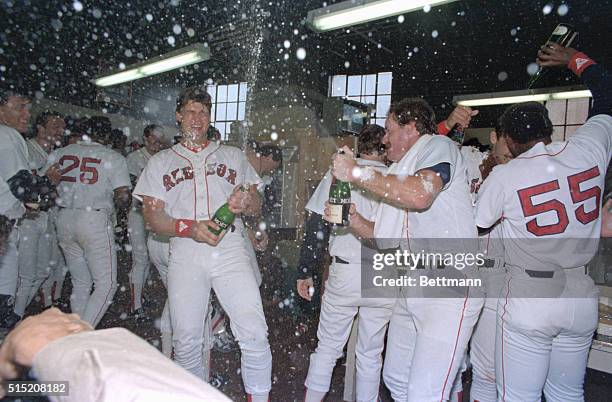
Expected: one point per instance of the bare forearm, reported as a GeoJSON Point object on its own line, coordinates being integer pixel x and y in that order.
{"type": "Point", "coordinates": [156, 218]}
{"type": "Point", "coordinates": [409, 192]}
{"type": "Point", "coordinates": [363, 229]}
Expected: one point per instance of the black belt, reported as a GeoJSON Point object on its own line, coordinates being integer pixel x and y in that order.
{"type": "Point", "coordinates": [82, 209]}
{"type": "Point", "coordinates": [488, 263]}
{"type": "Point", "coordinates": [339, 260]}
{"type": "Point", "coordinates": [540, 274]}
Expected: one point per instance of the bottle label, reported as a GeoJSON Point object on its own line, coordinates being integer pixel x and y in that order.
{"type": "Point", "coordinates": [340, 200]}
{"type": "Point", "coordinates": [335, 213]}
{"type": "Point", "coordinates": [220, 223]}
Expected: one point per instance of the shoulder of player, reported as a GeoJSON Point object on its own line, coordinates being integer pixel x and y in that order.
{"type": "Point", "coordinates": [440, 143]}
{"type": "Point", "coordinates": [231, 150]}
{"type": "Point", "coordinates": [164, 158]}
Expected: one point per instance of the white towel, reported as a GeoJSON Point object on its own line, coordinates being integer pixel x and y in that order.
{"type": "Point", "coordinates": [390, 224]}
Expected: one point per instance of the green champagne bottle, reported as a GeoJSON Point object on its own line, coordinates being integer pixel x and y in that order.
{"type": "Point", "coordinates": [224, 217]}
{"type": "Point", "coordinates": [340, 202]}
{"type": "Point", "coordinates": [564, 35]}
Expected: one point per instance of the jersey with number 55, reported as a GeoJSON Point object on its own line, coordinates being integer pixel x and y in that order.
{"type": "Point", "coordinates": [90, 173]}
{"type": "Point", "coordinates": [549, 194]}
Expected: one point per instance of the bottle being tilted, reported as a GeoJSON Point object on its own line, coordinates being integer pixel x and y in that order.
{"type": "Point", "coordinates": [564, 35]}
{"type": "Point", "coordinates": [339, 202]}
{"type": "Point", "coordinates": [224, 217]}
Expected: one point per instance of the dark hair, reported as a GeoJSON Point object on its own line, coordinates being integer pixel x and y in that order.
{"type": "Point", "coordinates": [195, 94]}
{"type": "Point", "coordinates": [267, 150]}
{"type": "Point", "coordinates": [43, 118]}
{"type": "Point", "coordinates": [100, 128]}
{"type": "Point", "coordinates": [414, 109]}
{"type": "Point", "coordinates": [148, 130]}
{"type": "Point", "coordinates": [499, 128]}
{"type": "Point", "coordinates": [117, 138]}
{"type": "Point", "coordinates": [525, 122]}
{"type": "Point", "coordinates": [7, 90]}
{"type": "Point", "coordinates": [370, 140]}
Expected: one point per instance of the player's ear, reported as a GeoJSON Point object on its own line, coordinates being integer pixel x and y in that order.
{"type": "Point", "coordinates": [493, 137]}
{"type": "Point", "coordinates": [179, 117]}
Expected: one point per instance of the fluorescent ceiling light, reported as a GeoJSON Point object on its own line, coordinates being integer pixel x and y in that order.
{"type": "Point", "coordinates": [353, 12]}
{"type": "Point", "coordinates": [505, 98]}
{"type": "Point", "coordinates": [170, 61]}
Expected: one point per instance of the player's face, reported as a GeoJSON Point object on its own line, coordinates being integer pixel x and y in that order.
{"type": "Point", "coordinates": [398, 139]}
{"type": "Point", "coordinates": [500, 149]}
{"type": "Point", "coordinates": [154, 142]}
{"type": "Point", "coordinates": [15, 113]}
{"type": "Point", "coordinates": [194, 119]}
{"type": "Point", "coordinates": [54, 129]}
{"type": "Point", "coordinates": [269, 165]}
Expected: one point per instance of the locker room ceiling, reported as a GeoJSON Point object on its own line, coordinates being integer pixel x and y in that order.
{"type": "Point", "coordinates": [468, 46]}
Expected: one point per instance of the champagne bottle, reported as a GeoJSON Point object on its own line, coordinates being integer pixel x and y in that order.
{"type": "Point", "coordinates": [563, 35]}
{"type": "Point", "coordinates": [340, 202]}
{"type": "Point", "coordinates": [223, 217]}
{"type": "Point", "coordinates": [457, 134]}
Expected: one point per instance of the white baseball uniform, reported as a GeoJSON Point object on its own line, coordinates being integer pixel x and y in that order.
{"type": "Point", "coordinates": [34, 247]}
{"type": "Point", "coordinates": [482, 344]}
{"type": "Point", "coordinates": [137, 233]}
{"type": "Point", "coordinates": [159, 253]}
{"type": "Point", "coordinates": [12, 208]}
{"type": "Point", "coordinates": [51, 289]}
{"type": "Point", "coordinates": [13, 158]}
{"type": "Point", "coordinates": [90, 174]}
{"type": "Point", "coordinates": [193, 185]}
{"type": "Point", "coordinates": [342, 302]}
{"type": "Point", "coordinates": [428, 336]}
{"type": "Point", "coordinates": [550, 199]}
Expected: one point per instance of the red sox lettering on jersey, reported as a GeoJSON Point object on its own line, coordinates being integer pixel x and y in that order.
{"type": "Point", "coordinates": [186, 173]}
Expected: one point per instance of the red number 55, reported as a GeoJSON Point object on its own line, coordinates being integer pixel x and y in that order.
{"type": "Point", "coordinates": [574, 181]}
{"type": "Point", "coordinates": [88, 166]}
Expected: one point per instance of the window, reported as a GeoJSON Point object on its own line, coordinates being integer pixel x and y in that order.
{"type": "Point", "coordinates": [371, 88]}
{"type": "Point", "coordinates": [567, 115]}
{"type": "Point", "coordinates": [228, 106]}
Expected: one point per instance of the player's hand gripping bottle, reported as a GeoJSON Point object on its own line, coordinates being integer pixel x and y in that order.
{"type": "Point", "coordinates": [564, 35]}
{"type": "Point", "coordinates": [223, 217]}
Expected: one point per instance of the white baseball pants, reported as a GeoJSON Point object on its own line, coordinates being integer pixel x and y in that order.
{"type": "Point", "coordinates": [194, 269]}
{"type": "Point", "coordinates": [33, 259]}
{"type": "Point", "coordinates": [482, 345]}
{"type": "Point", "coordinates": [426, 345]}
{"type": "Point", "coordinates": [543, 343]}
{"type": "Point", "coordinates": [8, 265]}
{"type": "Point", "coordinates": [140, 258]}
{"type": "Point", "coordinates": [341, 303]}
{"type": "Point", "coordinates": [86, 237]}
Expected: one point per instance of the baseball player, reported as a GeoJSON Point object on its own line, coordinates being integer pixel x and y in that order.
{"type": "Point", "coordinates": [548, 198]}
{"type": "Point", "coordinates": [154, 141]}
{"type": "Point", "coordinates": [428, 198]}
{"type": "Point", "coordinates": [37, 234]}
{"type": "Point", "coordinates": [25, 187]}
{"type": "Point", "coordinates": [482, 345]}
{"type": "Point", "coordinates": [342, 300]}
{"type": "Point", "coordinates": [94, 179]}
{"type": "Point", "coordinates": [181, 189]}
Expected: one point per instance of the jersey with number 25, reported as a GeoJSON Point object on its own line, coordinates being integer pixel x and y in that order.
{"type": "Point", "coordinates": [549, 194]}
{"type": "Point", "coordinates": [90, 173]}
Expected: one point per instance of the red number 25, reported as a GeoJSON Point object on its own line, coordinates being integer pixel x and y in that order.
{"type": "Point", "coordinates": [531, 209]}
{"type": "Point", "coordinates": [88, 169]}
